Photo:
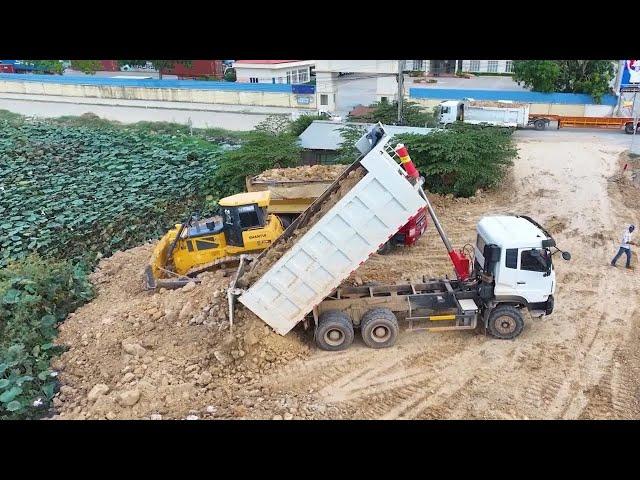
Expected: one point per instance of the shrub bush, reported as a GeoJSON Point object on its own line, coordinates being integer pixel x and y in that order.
{"type": "Point", "coordinates": [462, 159]}
{"type": "Point", "coordinates": [35, 294]}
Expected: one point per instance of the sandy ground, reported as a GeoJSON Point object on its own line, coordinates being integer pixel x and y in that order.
{"type": "Point", "coordinates": [580, 362]}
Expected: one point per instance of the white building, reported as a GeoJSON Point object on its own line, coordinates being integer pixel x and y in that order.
{"type": "Point", "coordinates": [452, 66]}
{"type": "Point", "coordinates": [273, 71]}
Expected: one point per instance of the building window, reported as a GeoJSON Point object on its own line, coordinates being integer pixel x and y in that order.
{"type": "Point", "coordinates": [303, 75]}
{"type": "Point", "coordinates": [324, 99]}
{"type": "Point", "coordinates": [492, 67]}
{"type": "Point", "coordinates": [474, 66]}
{"type": "Point", "coordinates": [253, 79]}
{"type": "Point", "coordinates": [288, 77]}
{"type": "Point", "coordinates": [418, 65]}
{"type": "Point", "coordinates": [509, 66]}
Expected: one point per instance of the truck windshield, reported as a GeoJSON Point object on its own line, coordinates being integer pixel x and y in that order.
{"type": "Point", "coordinates": [535, 260]}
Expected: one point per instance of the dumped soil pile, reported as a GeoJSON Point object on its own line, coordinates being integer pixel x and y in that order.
{"type": "Point", "coordinates": [277, 249]}
{"type": "Point", "coordinates": [134, 354]}
{"type": "Point", "coordinates": [495, 103]}
{"type": "Point", "coordinates": [304, 173]}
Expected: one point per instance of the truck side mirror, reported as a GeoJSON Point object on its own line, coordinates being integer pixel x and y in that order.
{"type": "Point", "coordinates": [566, 256]}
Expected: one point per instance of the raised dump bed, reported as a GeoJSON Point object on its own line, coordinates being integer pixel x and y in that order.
{"type": "Point", "coordinates": [358, 213]}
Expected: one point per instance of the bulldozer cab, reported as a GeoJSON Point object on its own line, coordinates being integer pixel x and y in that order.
{"type": "Point", "coordinates": [242, 212]}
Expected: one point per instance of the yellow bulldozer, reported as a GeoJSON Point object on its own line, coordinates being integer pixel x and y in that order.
{"type": "Point", "coordinates": [242, 225]}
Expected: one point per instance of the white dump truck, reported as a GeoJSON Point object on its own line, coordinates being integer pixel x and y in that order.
{"type": "Point", "coordinates": [501, 113]}
{"type": "Point", "coordinates": [302, 279]}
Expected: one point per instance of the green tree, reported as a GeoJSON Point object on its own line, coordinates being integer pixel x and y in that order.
{"type": "Point", "coordinates": [261, 151]}
{"type": "Point", "coordinates": [566, 76]}
{"type": "Point", "coordinates": [159, 65]}
{"type": "Point", "coordinates": [86, 66]}
{"type": "Point", "coordinates": [539, 75]}
{"type": "Point", "coordinates": [462, 159]}
{"type": "Point", "coordinates": [230, 75]}
{"type": "Point", "coordinates": [46, 66]}
{"type": "Point", "coordinates": [412, 113]}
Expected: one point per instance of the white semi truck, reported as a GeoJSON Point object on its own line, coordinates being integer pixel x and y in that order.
{"type": "Point", "coordinates": [500, 113]}
{"type": "Point", "coordinates": [511, 272]}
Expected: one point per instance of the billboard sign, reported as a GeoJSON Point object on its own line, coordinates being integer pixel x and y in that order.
{"type": "Point", "coordinates": [630, 73]}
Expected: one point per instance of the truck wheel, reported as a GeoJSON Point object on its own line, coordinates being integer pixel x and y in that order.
{"type": "Point", "coordinates": [386, 248]}
{"type": "Point", "coordinates": [379, 328]}
{"type": "Point", "coordinates": [539, 124]}
{"type": "Point", "coordinates": [505, 322]}
{"type": "Point", "coordinates": [628, 128]}
{"type": "Point", "coordinates": [335, 331]}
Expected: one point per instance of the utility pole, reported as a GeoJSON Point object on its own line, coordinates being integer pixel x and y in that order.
{"type": "Point", "coordinates": [400, 89]}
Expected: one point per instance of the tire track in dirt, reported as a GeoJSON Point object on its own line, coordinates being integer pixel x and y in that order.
{"type": "Point", "coordinates": [549, 370]}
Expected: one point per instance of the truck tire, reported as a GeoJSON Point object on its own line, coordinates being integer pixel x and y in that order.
{"type": "Point", "coordinates": [379, 328]}
{"type": "Point", "coordinates": [628, 128]}
{"type": "Point", "coordinates": [335, 331]}
{"type": "Point", "coordinates": [505, 322]}
{"type": "Point", "coordinates": [540, 124]}
{"type": "Point", "coordinates": [386, 248]}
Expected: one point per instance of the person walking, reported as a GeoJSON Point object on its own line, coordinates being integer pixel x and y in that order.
{"type": "Point", "coordinates": [625, 246]}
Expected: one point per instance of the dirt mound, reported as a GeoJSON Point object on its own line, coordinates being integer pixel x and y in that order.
{"type": "Point", "coordinates": [556, 224]}
{"type": "Point", "coordinates": [304, 173]}
{"type": "Point", "coordinates": [133, 353]}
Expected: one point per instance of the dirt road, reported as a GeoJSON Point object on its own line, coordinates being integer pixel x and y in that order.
{"type": "Point", "coordinates": [581, 362]}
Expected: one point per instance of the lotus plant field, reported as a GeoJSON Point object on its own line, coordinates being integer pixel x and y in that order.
{"type": "Point", "coordinates": [80, 192]}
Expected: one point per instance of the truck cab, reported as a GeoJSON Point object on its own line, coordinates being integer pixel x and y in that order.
{"type": "Point", "coordinates": [516, 252]}
{"type": "Point", "coordinates": [450, 111]}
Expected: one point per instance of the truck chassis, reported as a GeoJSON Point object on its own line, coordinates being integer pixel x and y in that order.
{"type": "Point", "coordinates": [434, 305]}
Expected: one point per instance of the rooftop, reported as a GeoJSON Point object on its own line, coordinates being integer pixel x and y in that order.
{"type": "Point", "coordinates": [508, 231]}
{"type": "Point", "coordinates": [326, 135]}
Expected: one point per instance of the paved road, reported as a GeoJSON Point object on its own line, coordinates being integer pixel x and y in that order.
{"type": "Point", "coordinates": [231, 117]}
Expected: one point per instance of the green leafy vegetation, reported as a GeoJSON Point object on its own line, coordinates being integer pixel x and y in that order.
{"type": "Point", "coordinates": [78, 192]}
{"type": "Point", "coordinates": [271, 145]}
{"type": "Point", "coordinates": [71, 190]}
{"type": "Point", "coordinates": [566, 76]}
{"type": "Point", "coordinates": [230, 75]}
{"type": "Point", "coordinates": [462, 159]}
{"type": "Point", "coordinates": [35, 295]}
{"type": "Point", "coordinates": [86, 66]}
{"type": "Point", "coordinates": [46, 66]}
{"type": "Point", "coordinates": [413, 114]}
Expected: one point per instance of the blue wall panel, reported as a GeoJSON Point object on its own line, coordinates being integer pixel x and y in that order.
{"type": "Point", "coordinates": [514, 95]}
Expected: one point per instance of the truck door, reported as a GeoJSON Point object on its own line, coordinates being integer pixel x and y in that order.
{"type": "Point", "coordinates": [533, 283]}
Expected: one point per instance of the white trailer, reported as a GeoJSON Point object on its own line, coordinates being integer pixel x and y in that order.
{"type": "Point", "coordinates": [501, 113]}
{"type": "Point", "coordinates": [354, 228]}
